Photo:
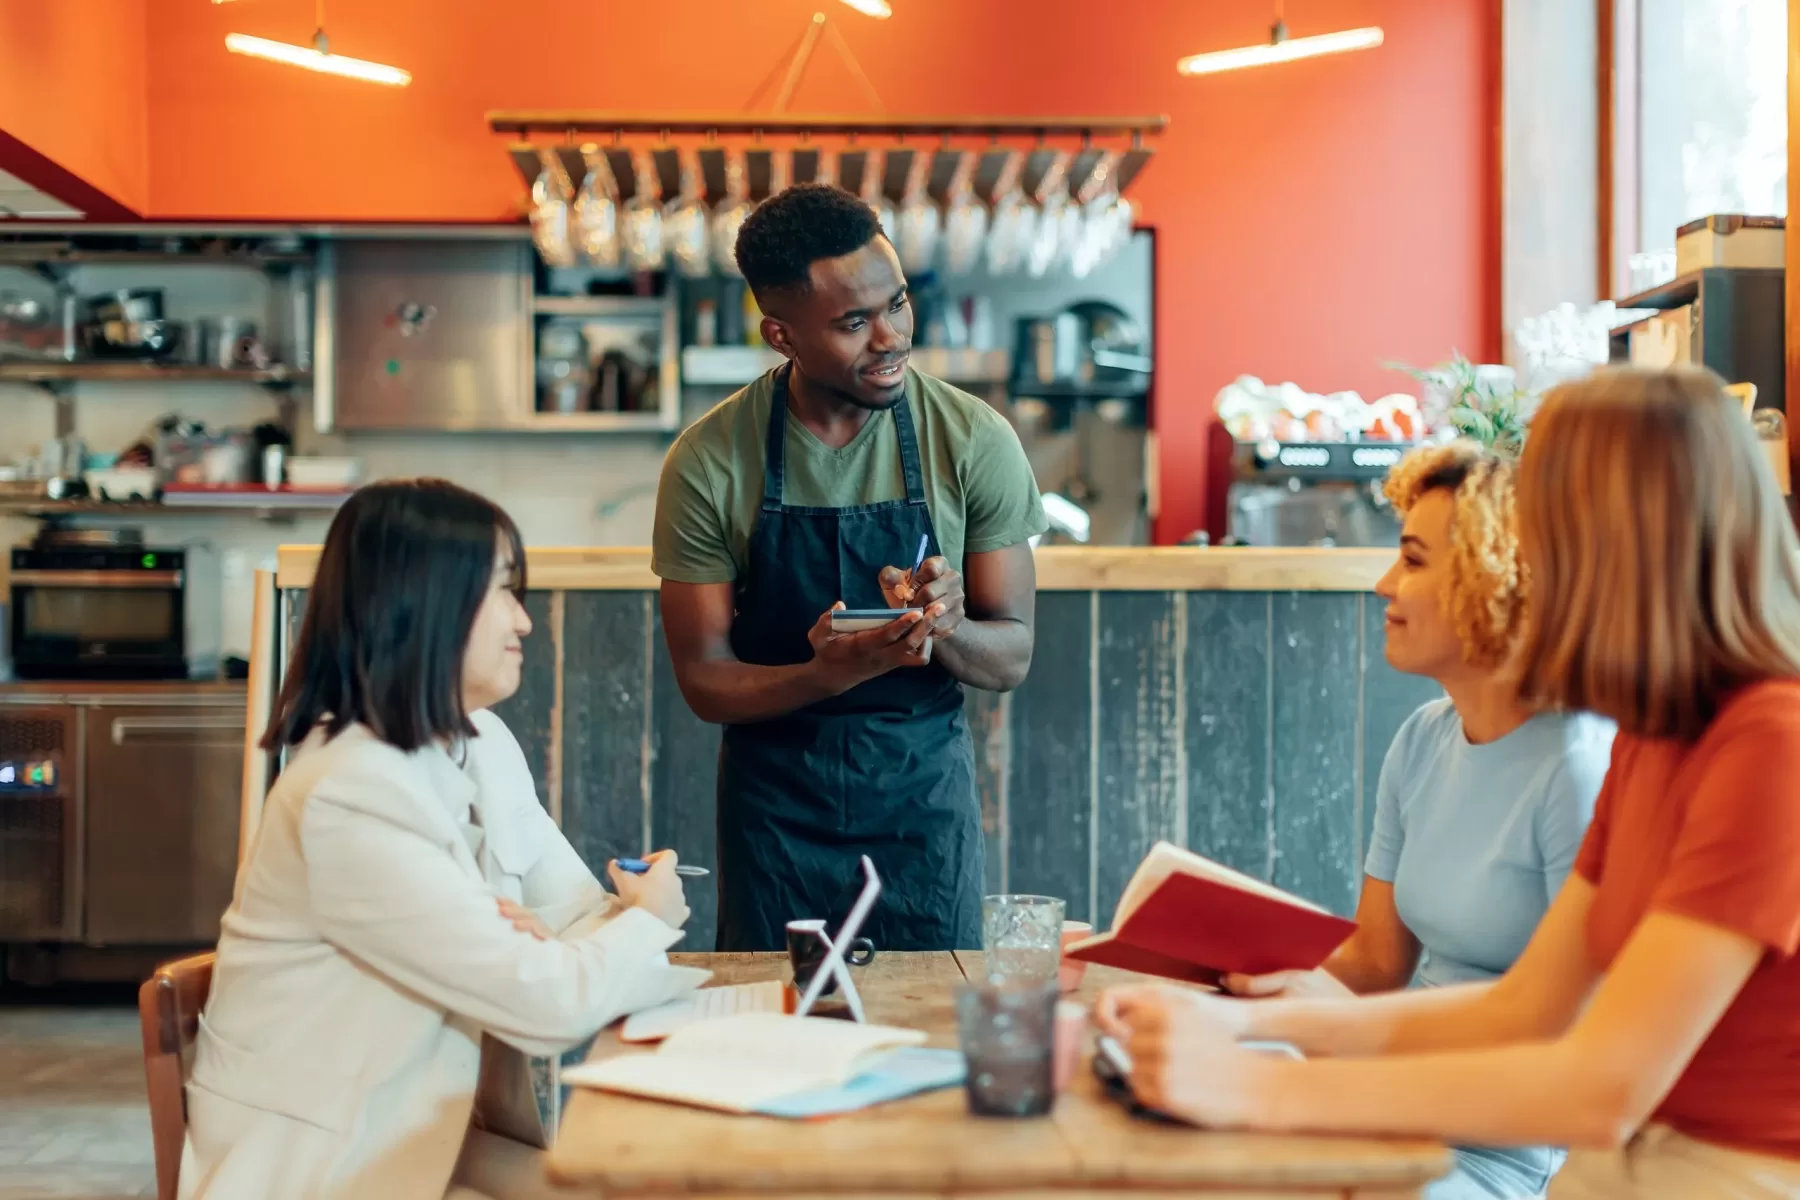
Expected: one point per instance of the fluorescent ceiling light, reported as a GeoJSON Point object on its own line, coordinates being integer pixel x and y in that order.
{"type": "Point", "coordinates": [874, 8]}
{"type": "Point", "coordinates": [318, 59]}
{"type": "Point", "coordinates": [1280, 48]}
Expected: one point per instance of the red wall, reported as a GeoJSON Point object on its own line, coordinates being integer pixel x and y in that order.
{"type": "Point", "coordinates": [1314, 219]}
{"type": "Point", "coordinates": [73, 101]}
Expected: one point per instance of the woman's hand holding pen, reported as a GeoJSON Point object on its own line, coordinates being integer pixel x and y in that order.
{"type": "Point", "coordinates": [656, 891]}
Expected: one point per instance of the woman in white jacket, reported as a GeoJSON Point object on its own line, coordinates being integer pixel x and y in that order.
{"type": "Point", "coordinates": [406, 893]}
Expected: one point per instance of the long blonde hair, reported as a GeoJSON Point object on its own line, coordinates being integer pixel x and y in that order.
{"type": "Point", "coordinates": [1486, 598]}
{"type": "Point", "coordinates": [1665, 569]}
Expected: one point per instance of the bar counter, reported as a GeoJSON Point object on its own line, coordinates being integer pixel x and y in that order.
{"type": "Point", "coordinates": [1233, 700]}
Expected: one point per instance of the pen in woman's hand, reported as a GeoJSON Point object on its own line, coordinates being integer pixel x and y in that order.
{"type": "Point", "coordinates": [638, 866]}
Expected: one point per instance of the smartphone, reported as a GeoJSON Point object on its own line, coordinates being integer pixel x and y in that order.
{"type": "Point", "coordinates": [854, 620]}
{"type": "Point", "coordinates": [1112, 1066]}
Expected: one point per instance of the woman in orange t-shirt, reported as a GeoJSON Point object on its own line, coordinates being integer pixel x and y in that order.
{"type": "Point", "coordinates": [1653, 1023]}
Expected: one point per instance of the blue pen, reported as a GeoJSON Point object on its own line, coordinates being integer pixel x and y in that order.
{"type": "Point", "coordinates": [919, 560]}
{"type": "Point", "coordinates": [638, 866]}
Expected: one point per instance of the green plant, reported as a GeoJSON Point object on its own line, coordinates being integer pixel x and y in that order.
{"type": "Point", "coordinates": [1485, 406]}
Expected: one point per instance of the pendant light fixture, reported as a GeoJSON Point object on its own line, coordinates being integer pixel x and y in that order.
{"type": "Point", "coordinates": [874, 8]}
{"type": "Point", "coordinates": [1280, 48]}
{"type": "Point", "coordinates": [317, 57]}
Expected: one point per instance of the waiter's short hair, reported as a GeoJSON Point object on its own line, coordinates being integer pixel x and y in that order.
{"type": "Point", "coordinates": [795, 228]}
{"type": "Point", "coordinates": [406, 567]}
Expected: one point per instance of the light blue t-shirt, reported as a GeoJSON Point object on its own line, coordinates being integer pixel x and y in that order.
{"type": "Point", "coordinates": [1477, 841]}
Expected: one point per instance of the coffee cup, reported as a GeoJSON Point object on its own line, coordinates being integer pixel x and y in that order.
{"type": "Point", "coordinates": [1071, 1024]}
{"type": "Point", "coordinates": [806, 952]}
{"type": "Point", "coordinates": [1069, 973]}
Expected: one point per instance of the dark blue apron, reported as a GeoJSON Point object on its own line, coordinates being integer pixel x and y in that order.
{"type": "Point", "coordinates": [886, 769]}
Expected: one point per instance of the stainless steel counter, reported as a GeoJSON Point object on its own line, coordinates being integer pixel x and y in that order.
{"type": "Point", "coordinates": [135, 842]}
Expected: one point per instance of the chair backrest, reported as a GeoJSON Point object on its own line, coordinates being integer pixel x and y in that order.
{"type": "Point", "coordinates": [169, 1007]}
{"type": "Point", "coordinates": [265, 678]}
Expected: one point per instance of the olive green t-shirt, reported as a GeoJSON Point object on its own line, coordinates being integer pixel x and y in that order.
{"type": "Point", "coordinates": [978, 484]}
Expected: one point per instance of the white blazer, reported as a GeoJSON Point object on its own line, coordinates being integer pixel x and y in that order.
{"type": "Point", "coordinates": [364, 955]}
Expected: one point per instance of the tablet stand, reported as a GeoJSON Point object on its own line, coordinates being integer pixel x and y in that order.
{"type": "Point", "coordinates": [834, 948]}
{"type": "Point", "coordinates": [841, 972]}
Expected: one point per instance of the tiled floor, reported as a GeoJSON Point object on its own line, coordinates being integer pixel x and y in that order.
{"type": "Point", "coordinates": [73, 1121]}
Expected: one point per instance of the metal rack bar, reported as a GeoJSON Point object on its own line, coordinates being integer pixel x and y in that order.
{"type": "Point", "coordinates": [563, 121]}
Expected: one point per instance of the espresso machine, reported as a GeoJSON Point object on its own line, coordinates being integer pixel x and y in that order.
{"type": "Point", "coordinates": [1312, 494]}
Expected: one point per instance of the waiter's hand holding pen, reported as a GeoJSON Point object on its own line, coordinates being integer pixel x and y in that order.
{"type": "Point", "coordinates": [898, 586]}
{"type": "Point", "coordinates": [656, 888]}
{"type": "Point", "coordinates": [934, 594]}
{"type": "Point", "coordinates": [932, 585]}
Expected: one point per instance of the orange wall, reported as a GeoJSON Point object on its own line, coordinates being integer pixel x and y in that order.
{"type": "Point", "coordinates": [1314, 219]}
{"type": "Point", "coordinates": [73, 90]}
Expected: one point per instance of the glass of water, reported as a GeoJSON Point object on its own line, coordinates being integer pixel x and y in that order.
{"type": "Point", "coordinates": [1008, 1033]}
{"type": "Point", "coordinates": [1022, 937]}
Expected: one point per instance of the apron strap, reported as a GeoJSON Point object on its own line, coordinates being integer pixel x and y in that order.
{"type": "Point", "coordinates": [909, 448]}
{"type": "Point", "coordinates": [775, 448]}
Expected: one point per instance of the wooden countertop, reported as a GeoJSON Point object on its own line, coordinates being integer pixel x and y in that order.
{"type": "Point", "coordinates": [126, 691]}
{"type": "Point", "coordinates": [1060, 568]}
{"type": "Point", "coordinates": [929, 1146]}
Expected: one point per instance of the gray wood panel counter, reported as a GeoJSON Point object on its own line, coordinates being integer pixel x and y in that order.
{"type": "Point", "coordinates": [1233, 700]}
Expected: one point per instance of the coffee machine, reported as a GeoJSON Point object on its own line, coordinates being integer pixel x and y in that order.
{"type": "Point", "coordinates": [1312, 494]}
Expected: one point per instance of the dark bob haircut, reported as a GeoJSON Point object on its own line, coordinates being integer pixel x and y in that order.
{"type": "Point", "coordinates": [793, 229]}
{"type": "Point", "coordinates": [406, 566]}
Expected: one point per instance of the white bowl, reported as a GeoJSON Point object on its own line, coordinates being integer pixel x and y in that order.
{"type": "Point", "coordinates": [122, 483]}
{"type": "Point", "coordinates": [323, 473]}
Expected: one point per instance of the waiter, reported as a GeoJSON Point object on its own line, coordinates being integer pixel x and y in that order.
{"type": "Point", "coordinates": [810, 488]}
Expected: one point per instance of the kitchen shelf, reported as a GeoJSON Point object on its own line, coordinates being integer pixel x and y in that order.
{"type": "Point", "coordinates": [1127, 390]}
{"type": "Point", "coordinates": [15, 255]}
{"type": "Point", "coordinates": [726, 366]}
{"type": "Point", "coordinates": [40, 507]}
{"type": "Point", "coordinates": [1685, 289]}
{"type": "Point", "coordinates": [735, 366]}
{"type": "Point", "coordinates": [142, 372]}
{"type": "Point", "coordinates": [963, 366]}
{"type": "Point", "coordinates": [598, 306]}
{"type": "Point", "coordinates": [596, 422]}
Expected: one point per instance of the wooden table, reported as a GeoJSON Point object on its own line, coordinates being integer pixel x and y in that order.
{"type": "Point", "coordinates": [928, 1146]}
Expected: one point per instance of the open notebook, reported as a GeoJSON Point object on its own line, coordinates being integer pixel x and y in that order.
{"type": "Point", "coordinates": [777, 1065]}
{"type": "Point", "coordinates": [521, 1095]}
{"type": "Point", "coordinates": [1184, 916]}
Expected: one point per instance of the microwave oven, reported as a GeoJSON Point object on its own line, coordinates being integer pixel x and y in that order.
{"type": "Point", "coordinates": [98, 613]}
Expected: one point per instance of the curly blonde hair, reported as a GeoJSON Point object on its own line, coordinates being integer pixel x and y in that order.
{"type": "Point", "coordinates": [1488, 582]}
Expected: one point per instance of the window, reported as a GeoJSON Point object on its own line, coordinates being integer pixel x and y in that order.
{"type": "Point", "coordinates": [1701, 122]}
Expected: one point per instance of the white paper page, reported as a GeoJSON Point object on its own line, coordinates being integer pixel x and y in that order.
{"type": "Point", "coordinates": [655, 1024]}
{"type": "Point", "coordinates": [1166, 859]}
{"type": "Point", "coordinates": [834, 1047]}
{"type": "Point", "coordinates": [732, 1086]}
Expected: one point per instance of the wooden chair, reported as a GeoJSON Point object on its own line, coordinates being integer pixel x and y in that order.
{"type": "Point", "coordinates": [265, 679]}
{"type": "Point", "coordinates": [169, 1007]}
{"type": "Point", "coordinates": [170, 1001]}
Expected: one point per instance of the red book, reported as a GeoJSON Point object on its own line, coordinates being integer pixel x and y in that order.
{"type": "Point", "coordinates": [1186, 917]}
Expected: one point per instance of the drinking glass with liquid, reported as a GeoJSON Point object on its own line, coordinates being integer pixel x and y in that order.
{"type": "Point", "coordinates": [1022, 936]}
{"type": "Point", "coordinates": [1007, 1028]}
